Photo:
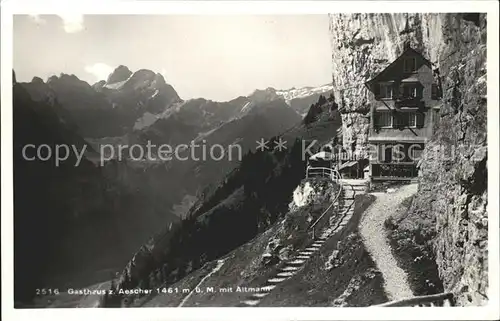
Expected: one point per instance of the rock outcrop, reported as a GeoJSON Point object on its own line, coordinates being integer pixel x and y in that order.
{"type": "Point", "coordinates": [453, 189]}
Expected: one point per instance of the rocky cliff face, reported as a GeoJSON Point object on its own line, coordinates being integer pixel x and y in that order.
{"type": "Point", "coordinates": [453, 188]}
{"type": "Point", "coordinates": [455, 164]}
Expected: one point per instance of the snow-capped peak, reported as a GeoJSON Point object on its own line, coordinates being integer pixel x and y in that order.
{"type": "Point", "coordinates": [294, 93]}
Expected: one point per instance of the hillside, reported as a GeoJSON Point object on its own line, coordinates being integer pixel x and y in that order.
{"type": "Point", "coordinates": [72, 223]}
{"type": "Point", "coordinates": [248, 267]}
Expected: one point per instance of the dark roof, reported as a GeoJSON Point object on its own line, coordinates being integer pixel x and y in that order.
{"type": "Point", "coordinates": [408, 50]}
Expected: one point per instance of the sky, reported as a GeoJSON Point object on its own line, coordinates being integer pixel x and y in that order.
{"type": "Point", "coordinates": [214, 57]}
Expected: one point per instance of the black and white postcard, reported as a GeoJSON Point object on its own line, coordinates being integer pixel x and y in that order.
{"type": "Point", "coordinates": [250, 156]}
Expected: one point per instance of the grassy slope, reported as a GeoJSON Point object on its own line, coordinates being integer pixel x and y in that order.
{"type": "Point", "coordinates": [313, 286]}
{"type": "Point", "coordinates": [243, 266]}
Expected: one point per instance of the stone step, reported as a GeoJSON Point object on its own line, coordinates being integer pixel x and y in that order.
{"type": "Point", "coordinates": [296, 262]}
{"type": "Point", "coordinates": [276, 280]}
{"type": "Point", "coordinates": [259, 295]}
{"type": "Point", "coordinates": [251, 302]}
{"type": "Point", "coordinates": [290, 268]}
{"type": "Point", "coordinates": [285, 274]}
{"type": "Point", "coordinates": [268, 287]}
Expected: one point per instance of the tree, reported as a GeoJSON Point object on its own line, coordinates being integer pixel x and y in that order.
{"type": "Point", "coordinates": [321, 100]}
{"type": "Point", "coordinates": [312, 114]}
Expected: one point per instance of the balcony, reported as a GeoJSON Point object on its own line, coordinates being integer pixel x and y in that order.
{"type": "Point", "coordinates": [414, 102]}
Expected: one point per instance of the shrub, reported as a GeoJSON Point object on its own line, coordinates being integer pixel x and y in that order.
{"type": "Point", "coordinates": [389, 224]}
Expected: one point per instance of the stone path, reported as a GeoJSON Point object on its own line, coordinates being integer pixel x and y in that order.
{"type": "Point", "coordinates": [374, 237]}
{"type": "Point", "coordinates": [296, 263]}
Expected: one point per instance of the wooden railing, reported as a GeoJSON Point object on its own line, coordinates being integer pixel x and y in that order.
{"type": "Point", "coordinates": [441, 299]}
{"type": "Point", "coordinates": [336, 200]}
{"type": "Point", "coordinates": [325, 172]}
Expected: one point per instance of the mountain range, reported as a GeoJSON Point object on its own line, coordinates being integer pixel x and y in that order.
{"type": "Point", "coordinates": [90, 219]}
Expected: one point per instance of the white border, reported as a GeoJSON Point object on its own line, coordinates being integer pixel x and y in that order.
{"type": "Point", "coordinates": [11, 7]}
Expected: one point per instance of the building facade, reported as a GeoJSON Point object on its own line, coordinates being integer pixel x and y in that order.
{"type": "Point", "coordinates": [406, 100]}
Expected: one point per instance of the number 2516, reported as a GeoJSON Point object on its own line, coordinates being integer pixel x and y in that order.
{"type": "Point", "coordinates": [46, 291]}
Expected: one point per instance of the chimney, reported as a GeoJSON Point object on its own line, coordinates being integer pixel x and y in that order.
{"type": "Point", "coordinates": [407, 45]}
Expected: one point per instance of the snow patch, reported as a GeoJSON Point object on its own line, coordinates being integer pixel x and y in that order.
{"type": "Point", "coordinates": [246, 106]}
{"type": "Point", "coordinates": [295, 93]}
{"type": "Point", "coordinates": [146, 120]}
{"type": "Point", "coordinates": [116, 85]}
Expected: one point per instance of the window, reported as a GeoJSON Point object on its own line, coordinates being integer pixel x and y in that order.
{"type": "Point", "coordinates": [406, 119]}
{"type": "Point", "coordinates": [410, 91]}
{"type": "Point", "coordinates": [383, 119]}
{"type": "Point", "coordinates": [410, 64]}
{"type": "Point", "coordinates": [385, 91]}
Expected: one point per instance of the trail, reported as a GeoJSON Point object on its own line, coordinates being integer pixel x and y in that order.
{"type": "Point", "coordinates": [372, 231]}
{"type": "Point", "coordinates": [220, 263]}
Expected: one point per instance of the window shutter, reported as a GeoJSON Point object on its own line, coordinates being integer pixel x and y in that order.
{"type": "Point", "coordinates": [376, 90]}
{"type": "Point", "coordinates": [376, 120]}
{"type": "Point", "coordinates": [420, 119]}
{"type": "Point", "coordinates": [395, 119]}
